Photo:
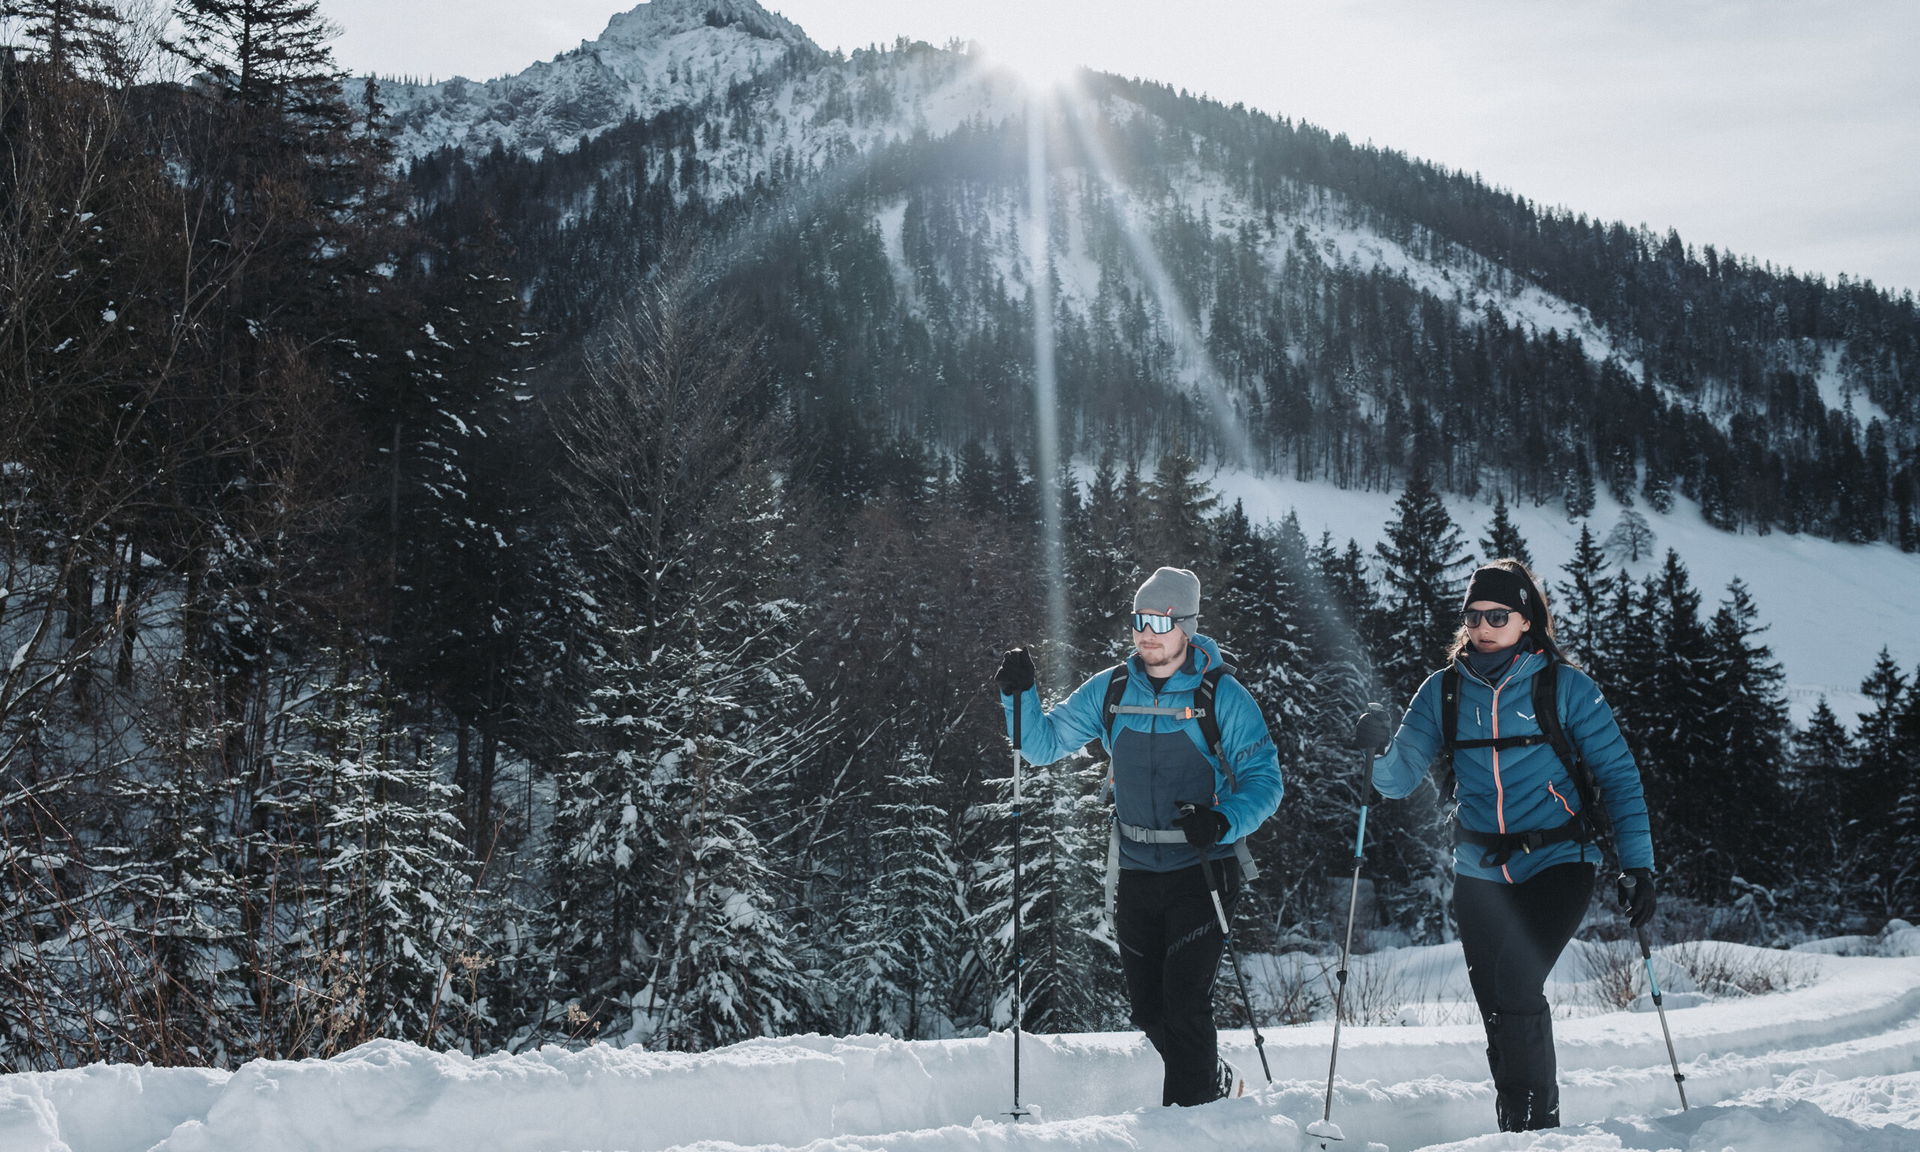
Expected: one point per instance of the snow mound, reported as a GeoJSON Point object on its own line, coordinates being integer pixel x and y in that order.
{"type": "Point", "coordinates": [1898, 938]}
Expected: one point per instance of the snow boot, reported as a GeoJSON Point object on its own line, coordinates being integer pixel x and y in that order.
{"type": "Point", "coordinates": [1525, 1084]}
{"type": "Point", "coordinates": [1229, 1081]}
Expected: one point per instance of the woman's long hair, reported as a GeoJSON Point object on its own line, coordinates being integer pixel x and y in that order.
{"type": "Point", "coordinates": [1542, 617]}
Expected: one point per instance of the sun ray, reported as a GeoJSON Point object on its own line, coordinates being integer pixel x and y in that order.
{"type": "Point", "coordinates": [1184, 327]}
{"type": "Point", "coordinates": [1045, 411]}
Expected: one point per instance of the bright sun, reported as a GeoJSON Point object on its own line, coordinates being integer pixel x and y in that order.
{"type": "Point", "coordinates": [1040, 64]}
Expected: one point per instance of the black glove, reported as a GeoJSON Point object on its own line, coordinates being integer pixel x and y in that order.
{"type": "Point", "coordinates": [1373, 731]}
{"type": "Point", "coordinates": [1203, 826]}
{"type": "Point", "coordinates": [1016, 672]}
{"type": "Point", "coordinates": [1635, 888]}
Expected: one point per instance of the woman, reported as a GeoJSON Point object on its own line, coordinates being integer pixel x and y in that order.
{"type": "Point", "coordinates": [1526, 845]}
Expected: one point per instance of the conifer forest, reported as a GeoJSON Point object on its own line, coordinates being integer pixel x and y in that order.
{"type": "Point", "coordinates": [496, 597]}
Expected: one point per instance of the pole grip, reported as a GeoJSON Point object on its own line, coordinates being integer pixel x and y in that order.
{"type": "Point", "coordinates": [1628, 884]}
{"type": "Point", "coordinates": [1016, 752]}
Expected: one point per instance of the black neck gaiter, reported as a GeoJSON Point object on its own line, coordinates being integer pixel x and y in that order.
{"type": "Point", "coordinates": [1489, 665]}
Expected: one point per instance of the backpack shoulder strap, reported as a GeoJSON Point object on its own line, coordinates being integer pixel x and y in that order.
{"type": "Point", "coordinates": [1546, 711]}
{"type": "Point", "coordinates": [1442, 766]}
{"type": "Point", "coordinates": [1546, 708]}
{"type": "Point", "coordinates": [1116, 688]}
{"type": "Point", "coordinates": [1203, 703]}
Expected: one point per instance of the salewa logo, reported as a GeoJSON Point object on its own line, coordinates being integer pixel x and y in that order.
{"type": "Point", "coordinates": [1525, 716]}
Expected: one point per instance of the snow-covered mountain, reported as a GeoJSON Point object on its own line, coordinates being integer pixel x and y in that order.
{"type": "Point", "coordinates": [662, 55]}
{"type": "Point", "coordinates": [1226, 224]}
{"type": "Point", "coordinates": [1292, 306]}
{"type": "Point", "coordinates": [716, 61]}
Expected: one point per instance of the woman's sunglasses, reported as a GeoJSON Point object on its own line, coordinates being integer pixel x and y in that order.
{"type": "Point", "coordinates": [1158, 623]}
{"type": "Point", "coordinates": [1495, 617]}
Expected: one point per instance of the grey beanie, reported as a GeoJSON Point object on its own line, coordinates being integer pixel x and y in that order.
{"type": "Point", "coordinates": [1174, 592]}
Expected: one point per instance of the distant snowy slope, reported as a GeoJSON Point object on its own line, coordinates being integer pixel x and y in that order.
{"type": "Point", "coordinates": [1834, 1064]}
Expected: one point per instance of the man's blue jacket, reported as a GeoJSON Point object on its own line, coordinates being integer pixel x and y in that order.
{"type": "Point", "coordinates": [1161, 762]}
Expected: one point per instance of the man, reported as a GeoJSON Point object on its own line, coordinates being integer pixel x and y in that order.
{"type": "Point", "coordinates": [1177, 802]}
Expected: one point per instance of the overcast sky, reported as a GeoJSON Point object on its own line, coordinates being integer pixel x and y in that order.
{"type": "Point", "coordinates": [1786, 130]}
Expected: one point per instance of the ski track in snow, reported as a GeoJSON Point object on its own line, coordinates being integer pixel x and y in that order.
{"type": "Point", "coordinates": [1834, 1065]}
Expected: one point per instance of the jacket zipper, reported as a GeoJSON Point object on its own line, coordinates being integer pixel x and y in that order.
{"type": "Point", "coordinates": [1499, 786]}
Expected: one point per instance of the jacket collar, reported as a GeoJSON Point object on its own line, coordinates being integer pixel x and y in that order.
{"type": "Point", "coordinates": [1203, 654]}
{"type": "Point", "coordinates": [1524, 664]}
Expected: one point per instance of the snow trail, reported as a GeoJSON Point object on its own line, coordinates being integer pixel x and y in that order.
{"type": "Point", "coordinates": [1834, 1064]}
{"type": "Point", "coordinates": [1830, 1064]}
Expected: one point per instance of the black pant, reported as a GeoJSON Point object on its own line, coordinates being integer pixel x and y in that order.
{"type": "Point", "coordinates": [1512, 935]}
{"type": "Point", "coordinates": [1170, 945]}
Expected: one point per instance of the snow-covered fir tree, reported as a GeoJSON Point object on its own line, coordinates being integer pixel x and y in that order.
{"type": "Point", "coordinates": [1503, 537]}
{"type": "Point", "coordinates": [1747, 722]}
{"type": "Point", "coordinates": [1581, 605]}
{"type": "Point", "coordinates": [400, 894]}
{"type": "Point", "coordinates": [895, 972]}
{"type": "Point", "coordinates": [666, 916]}
{"type": "Point", "coordinates": [1876, 797]}
{"type": "Point", "coordinates": [1422, 561]}
{"type": "Point", "coordinates": [667, 909]}
{"type": "Point", "coordinates": [1064, 953]}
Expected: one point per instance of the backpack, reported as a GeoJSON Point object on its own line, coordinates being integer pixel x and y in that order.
{"type": "Point", "coordinates": [1546, 711]}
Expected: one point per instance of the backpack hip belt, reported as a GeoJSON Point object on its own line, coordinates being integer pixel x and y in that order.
{"type": "Point", "coordinates": [1249, 871]}
{"type": "Point", "coordinates": [1500, 846]}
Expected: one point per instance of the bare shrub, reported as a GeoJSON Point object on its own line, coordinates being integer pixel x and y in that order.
{"type": "Point", "coordinates": [1720, 969]}
{"type": "Point", "coordinates": [1288, 989]}
{"type": "Point", "coordinates": [1613, 974]}
{"type": "Point", "coordinates": [1381, 992]}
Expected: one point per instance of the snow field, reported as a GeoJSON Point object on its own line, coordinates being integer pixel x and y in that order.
{"type": "Point", "coordinates": [1824, 652]}
{"type": "Point", "coordinates": [1831, 1065]}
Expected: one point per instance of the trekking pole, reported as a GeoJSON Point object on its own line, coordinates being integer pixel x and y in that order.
{"type": "Point", "coordinates": [1324, 1129]}
{"type": "Point", "coordinates": [1019, 1004]}
{"type": "Point", "coordinates": [1627, 885]}
{"type": "Point", "coordinates": [1233, 958]}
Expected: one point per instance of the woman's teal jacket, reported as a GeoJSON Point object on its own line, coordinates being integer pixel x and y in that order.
{"type": "Point", "coordinates": [1522, 789]}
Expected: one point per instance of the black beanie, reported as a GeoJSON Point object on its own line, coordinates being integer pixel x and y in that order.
{"type": "Point", "coordinates": [1503, 586]}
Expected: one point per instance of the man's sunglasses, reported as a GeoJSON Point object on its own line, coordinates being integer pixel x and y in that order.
{"type": "Point", "coordinates": [1495, 617]}
{"type": "Point", "coordinates": [1158, 623]}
